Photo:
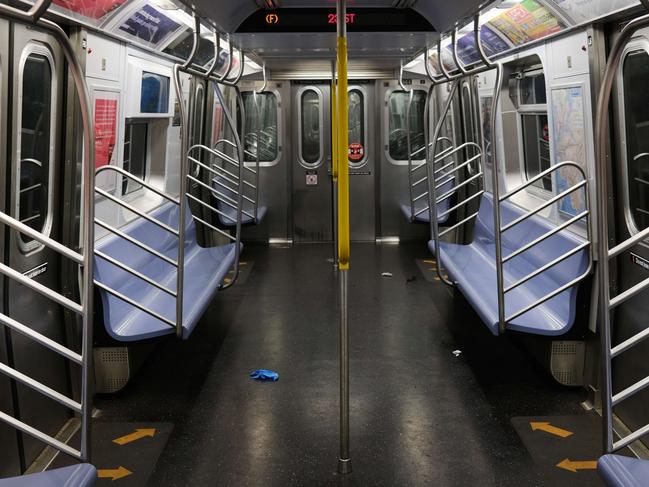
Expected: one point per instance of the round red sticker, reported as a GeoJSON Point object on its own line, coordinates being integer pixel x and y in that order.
{"type": "Point", "coordinates": [356, 152]}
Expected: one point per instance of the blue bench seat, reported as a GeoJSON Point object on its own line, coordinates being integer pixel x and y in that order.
{"type": "Point", "coordinates": [422, 204]}
{"type": "Point", "coordinates": [82, 475]}
{"type": "Point", "coordinates": [473, 269]}
{"type": "Point", "coordinates": [621, 471]}
{"type": "Point", "coordinates": [205, 269]}
{"type": "Point", "coordinates": [229, 217]}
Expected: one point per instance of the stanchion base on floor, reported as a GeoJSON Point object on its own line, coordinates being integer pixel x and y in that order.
{"type": "Point", "coordinates": [344, 466]}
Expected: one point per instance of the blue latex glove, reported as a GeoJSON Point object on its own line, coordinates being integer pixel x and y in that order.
{"type": "Point", "coordinates": [264, 375]}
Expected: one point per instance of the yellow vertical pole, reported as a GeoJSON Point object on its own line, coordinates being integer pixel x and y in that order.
{"type": "Point", "coordinates": [334, 128]}
{"type": "Point", "coordinates": [342, 142]}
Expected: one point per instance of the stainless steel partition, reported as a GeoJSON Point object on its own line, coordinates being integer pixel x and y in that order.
{"type": "Point", "coordinates": [83, 259]}
{"type": "Point", "coordinates": [606, 303]}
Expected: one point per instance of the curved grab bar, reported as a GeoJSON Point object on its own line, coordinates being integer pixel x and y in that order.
{"type": "Point", "coordinates": [237, 78]}
{"type": "Point", "coordinates": [141, 182]}
{"type": "Point", "coordinates": [197, 40]}
{"type": "Point", "coordinates": [263, 88]}
{"type": "Point", "coordinates": [456, 58]}
{"type": "Point", "coordinates": [217, 48]}
{"type": "Point", "coordinates": [226, 73]}
{"type": "Point", "coordinates": [403, 87]}
{"type": "Point", "coordinates": [32, 160]}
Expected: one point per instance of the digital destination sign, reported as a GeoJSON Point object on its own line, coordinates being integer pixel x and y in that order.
{"type": "Point", "coordinates": [286, 20]}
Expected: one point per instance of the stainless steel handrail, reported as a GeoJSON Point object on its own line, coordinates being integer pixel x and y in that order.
{"type": "Point", "coordinates": [84, 259]}
{"type": "Point", "coordinates": [586, 214]}
{"type": "Point", "coordinates": [139, 212]}
{"type": "Point", "coordinates": [414, 184]}
{"type": "Point", "coordinates": [139, 181]}
{"type": "Point", "coordinates": [227, 158]}
{"type": "Point", "coordinates": [605, 303]}
{"type": "Point", "coordinates": [239, 148]}
{"type": "Point", "coordinates": [430, 168]}
{"type": "Point", "coordinates": [125, 236]}
{"type": "Point", "coordinates": [255, 172]}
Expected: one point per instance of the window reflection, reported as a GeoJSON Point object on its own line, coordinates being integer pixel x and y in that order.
{"type": "Point", "coordinates": [35, 140]}
{"type": "Point", "coordinates": [310, 127]}
{"type": "Point", "coordinates": [397, 142]}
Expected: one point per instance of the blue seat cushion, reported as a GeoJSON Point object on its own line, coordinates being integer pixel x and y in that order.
{"type": "Point", "coordinates": [205, 269]}
{"type": "Point", "coordinates": [473, 268]}
{"type": "Point", "coordinates": [228, 215]}
{"type": "Point", "coordinates": [621, 471]}
{"type": "Point", "coordinates": [422, 204]}
{"type": "Point", "coordinates": [82, 475]}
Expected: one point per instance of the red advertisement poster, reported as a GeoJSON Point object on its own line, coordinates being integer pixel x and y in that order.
{"type": "Point", "coordinates": [94, 9]}
{"type": "Point", "coordinates": [105, 131]}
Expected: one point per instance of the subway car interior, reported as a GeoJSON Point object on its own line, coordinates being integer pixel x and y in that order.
{"type": "Point", "coordinates": [318, 242]}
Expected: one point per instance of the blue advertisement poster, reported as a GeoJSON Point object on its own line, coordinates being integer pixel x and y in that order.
{"type": "Point", "coordinates": [492, 44]}
{"type": "Point", "coordinates": [149, 25]}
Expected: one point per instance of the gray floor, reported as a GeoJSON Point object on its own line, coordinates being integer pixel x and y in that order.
{"type": "Point", "coordinates": [419, 415]}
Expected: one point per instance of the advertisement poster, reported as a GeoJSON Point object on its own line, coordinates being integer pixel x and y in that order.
{"type": "Point", "coordinates": [92, 9]}
{"type": "Point", "coordinates": [491, 43]}
{"type": "Point", "coordinates": [149, 25]}
{"type": "Point", "coordinates": [526, 22]}
{"type": "Point", "coordinates": [105, 131]}
{"type": "Point", "coordinates": [580, 11]}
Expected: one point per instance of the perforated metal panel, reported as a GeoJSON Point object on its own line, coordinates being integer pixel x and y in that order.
{"type": "Point", "coordinates": [112, 369]}
{"type": "Point", "coordinates": [567, 362]}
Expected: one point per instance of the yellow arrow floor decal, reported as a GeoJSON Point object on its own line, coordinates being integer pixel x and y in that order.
{"type": "Point", "coordinates": [114, 474]}
{"type": "Point", "coordinates": [575, 466]}
{"type": "Point", "coordinates": [138, 434]}
{"type": "Point", "coordinates": [548, 428]}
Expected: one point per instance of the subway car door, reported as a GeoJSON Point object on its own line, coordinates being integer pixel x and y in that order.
{"type": "Point", "coordinates": [631, 169]}
{"type": "Point", "coordinates": [362, 163]}
{"type": "Point", "coordinates": [34, 199]}
{"type": "Point", "coordinates": [311, 181]}
{"type": "Point", "coordinates": [10, 463]}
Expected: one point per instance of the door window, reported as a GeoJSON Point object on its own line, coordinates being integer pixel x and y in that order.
{"type": "Point", "coordinates": [356, 128]}
{"type": "Point", "coordinates": [397, 138]}
{"type": "Point", "coordinates": [35, 143]}
{"type": "Point", "coordinates": [135, 154]}
{"type": "Point", "coordinates": [529, 95]}
{"type": "Point", "coordinates": [635, 73]}
{"type": "Point", "coordinates": [311, 122]}
{"type": "Point", "coordinates": [268, 138]}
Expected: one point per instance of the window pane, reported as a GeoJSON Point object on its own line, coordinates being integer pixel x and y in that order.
{"type": "Point", "coordinates": [485, 116]}
{"type": "Point", "coordinates": [196, 128]}
{"type": "Point", "coordinates": [532, 90]}
{"type": "Point", "coordinates": [536, 148]}
{"type": "Point", "coordinates": [636, 107]}
{"type": "Point", "coordinates": [356, 128]}
{"type": "Point", "coordinates": [397, 141]}
{"type": "Point", "coordinates": [35, 140]}
{"type": "Point", "coordinates": [135, 147]}
{"type": "Point", "coordinates": [310, 127]}
{"type": "Point", "coordinates": [181, 47]}
{"type": "Point", "coordinates": [268, 129]}
{"type": "Point", "coordinates": [154, 97]}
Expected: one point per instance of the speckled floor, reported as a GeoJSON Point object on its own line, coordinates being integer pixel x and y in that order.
{"type": "Point", "coordinates": [419, 415]}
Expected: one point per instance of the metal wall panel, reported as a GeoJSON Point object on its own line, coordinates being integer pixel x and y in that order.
{"type": "Point", "coordinates": [9, 460]}
{"type": "Point", "coordinates": [26, 306]}
{"type": "Point", "coordinates": [311, 186]}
